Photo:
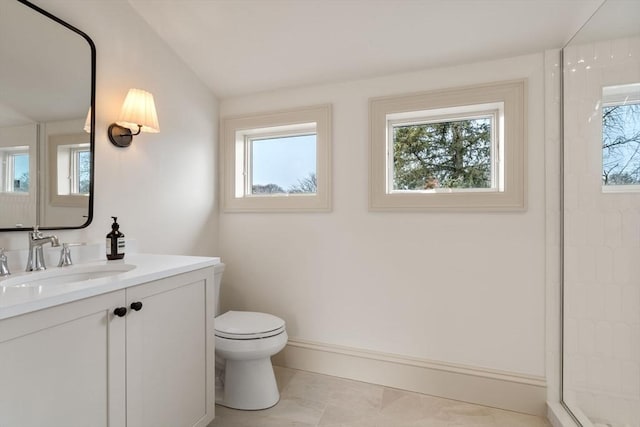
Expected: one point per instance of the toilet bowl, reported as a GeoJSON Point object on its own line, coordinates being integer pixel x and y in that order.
{"type": "Point", "coordinates": [244, 344]}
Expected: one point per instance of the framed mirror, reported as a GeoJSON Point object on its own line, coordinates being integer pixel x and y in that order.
{"type": "Point", "coordinates": [47, 121]}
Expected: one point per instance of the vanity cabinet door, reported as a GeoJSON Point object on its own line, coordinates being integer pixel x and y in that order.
{"type": "Point", "coordinates": [170, 352]}
{"type": "Point", "coordinates": [64, 366]}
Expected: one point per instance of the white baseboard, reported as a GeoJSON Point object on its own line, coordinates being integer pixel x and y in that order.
{"type": "Point", "coordinates": [505, 390]}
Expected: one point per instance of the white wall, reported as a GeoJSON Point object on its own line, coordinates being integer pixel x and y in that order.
{"type": "Point", "coordinates": [463, 288]}
{"type": "Point", "coordinates": [163, 187]}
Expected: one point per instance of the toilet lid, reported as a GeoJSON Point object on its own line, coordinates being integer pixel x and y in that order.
{"type": "Point", "coordinates": [247, 325]}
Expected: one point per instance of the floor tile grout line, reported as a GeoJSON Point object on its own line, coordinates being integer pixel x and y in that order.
{"type": "Point", "coordinates": [296, 384]}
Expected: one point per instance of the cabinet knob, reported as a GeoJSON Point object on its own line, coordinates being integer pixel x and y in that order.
{"type": "Point", "coordinates": [136, 306]}
{"type": "Point", "coordinates": [120, 311]}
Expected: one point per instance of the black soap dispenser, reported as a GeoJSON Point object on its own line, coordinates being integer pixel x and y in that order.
{"type": "Point", "coordinates": [115, 241]}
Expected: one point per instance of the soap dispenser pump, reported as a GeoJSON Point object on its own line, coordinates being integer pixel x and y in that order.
{"type": "Point", "coordinates": [115, 241]}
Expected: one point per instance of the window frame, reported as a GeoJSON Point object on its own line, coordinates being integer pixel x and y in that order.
{"type": "Point", "coordinates": [9, 155]}
{"type": "Point", "coordinates": [62, 171]}
{"type": "Point", "coordinates": [511, 192]}
{"type": "Point", "coordinates": [74, 167]}
{"type": "Point", "coordinates": [234, 134]}
{"type": "Point", "coordinates": [305, 129]}
{"type": "Point", "coordinates": [615, 95]}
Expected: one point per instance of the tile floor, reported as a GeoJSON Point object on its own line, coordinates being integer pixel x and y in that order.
{"type": "Point", "coordinates": [308, 399]}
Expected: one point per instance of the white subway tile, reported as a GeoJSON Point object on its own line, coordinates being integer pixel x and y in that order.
{"type": "Point", "coordinates": [595, 225]}
{"type": "Point", "coordinates": [613, 303]}
{"type": "Point", "coordinates": [612, 229]}
{"type": "Point", "coordinates": [587, 260]}
{"type": "Point", "coordinates": [634, 342]}
{"type": "Point", "coordinates": [596, 373]}
{"type": "Point", "coordinates": [604, 264]}
{"type": "Point", "coordinates": [622, 265]}
{"type": "Point", "coordinates": [630, 378]}
{"type": "Point", "coordinates": [576, 229]}
{"type": "Point", "coordinates": [596, 301]}
{"type": "Point", "coordinates": [570, 336]}
{"type": "Point", "coordinates": [631, 228]}
{"type": "Point", "coordinates": [586, 337]}
{"type": "Point", "coordinates": [571, 265]}
{"type": "Point", "coordinates": [604, 339]}
{"type": "Point", "coordinates": [577, 370]}
{"type": "Point", "coordinates": [631, 304]}
{"type": "Point", "coordinates": [622, 341]}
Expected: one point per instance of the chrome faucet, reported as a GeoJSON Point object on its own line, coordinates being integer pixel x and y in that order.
{"type": "Point", "coordinates": [36, 254]}
{"type": "Point", "coordinates": [65, 254]}
{"type": "Point", "coordinates": [4, 267]}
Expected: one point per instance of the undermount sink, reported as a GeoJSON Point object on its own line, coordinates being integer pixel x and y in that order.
{"type": "Point", "coordinates": [63, 275]}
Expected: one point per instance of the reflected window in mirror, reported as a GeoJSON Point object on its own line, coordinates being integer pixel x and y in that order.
{"type": "Point", "coordinates": [14, 169]}
{"type": "Point", "coordinates": [70, 169]}
{"type": "Point", "coordinates": [18, 182]}
{"type": "Point", "coordinates": [75, 159]}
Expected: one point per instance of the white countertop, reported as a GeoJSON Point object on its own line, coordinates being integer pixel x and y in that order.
{"type": "Point", "coordinates": [20, 300]}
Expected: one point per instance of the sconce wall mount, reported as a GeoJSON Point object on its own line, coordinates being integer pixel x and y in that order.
{"type": "Point", "coordinates": [121, 136]}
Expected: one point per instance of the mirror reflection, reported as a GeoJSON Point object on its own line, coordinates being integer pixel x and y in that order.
{"type": "Point", "coordinates": [46, 140]}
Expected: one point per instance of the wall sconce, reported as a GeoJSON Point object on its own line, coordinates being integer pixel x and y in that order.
{"type": "Point", "coordinates": [87, 122]}
{"type": "Point", "coordinates": [138, 110]}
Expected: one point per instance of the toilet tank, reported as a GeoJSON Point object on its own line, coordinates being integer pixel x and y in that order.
{"type": "Point", "coordinates": [218, 269]}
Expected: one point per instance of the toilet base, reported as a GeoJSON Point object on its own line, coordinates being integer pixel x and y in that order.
{"type": "Point", "coordinates": [248, 385]}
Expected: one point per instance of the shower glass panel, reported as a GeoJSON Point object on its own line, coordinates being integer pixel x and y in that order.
{"type": "Point", "coordinates": [601, 218]}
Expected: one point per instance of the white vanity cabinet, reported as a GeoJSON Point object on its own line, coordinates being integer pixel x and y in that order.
{"type": "Point", "coordinates": [170, 361]}
{"type": "Point", "coordinates": [80, 364]}
{"type": "Point", "coordinates": [59, 367]}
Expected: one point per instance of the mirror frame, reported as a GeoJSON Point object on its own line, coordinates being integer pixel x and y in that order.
{"type": "Point", "coordinates": [41, 176]}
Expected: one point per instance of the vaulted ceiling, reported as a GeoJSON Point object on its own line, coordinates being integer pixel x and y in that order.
{"type": "Point", "coordinates": [244, 46]}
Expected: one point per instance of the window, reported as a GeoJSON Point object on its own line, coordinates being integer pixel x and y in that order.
{"type": "Point", "coordinates": [79, 168]}
{"type": "Point", "coordinates": [15, 170]}
{"type": "Point", "coordinates": [281, 164]}
{"type": "Point", "coordinates": [70, 169]}
{"type": "Point", "coordinates": [453, 149]}
{"type": "Point", "coordinates": [621, 138]}
{"type": "Point", "coordinates": [278, 161]}
{"type": "Point", "coordinates": [449, 149]}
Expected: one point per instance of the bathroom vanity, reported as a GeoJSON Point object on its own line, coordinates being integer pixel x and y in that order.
{"type": "Point", "coordinates": [131, 345]}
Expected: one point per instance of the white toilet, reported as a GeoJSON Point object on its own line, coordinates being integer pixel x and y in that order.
{"type": "Point", "coordinates": [245, 342]}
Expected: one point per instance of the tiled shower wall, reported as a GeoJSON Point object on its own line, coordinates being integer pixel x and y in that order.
{"type": "Point", "coordinates": [602, 246]}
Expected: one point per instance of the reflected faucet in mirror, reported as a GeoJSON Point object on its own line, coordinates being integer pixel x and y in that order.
{"type": "Point", "coordinates": [4, 265]}
{"type": "Point", "coordinates": [36, 254]}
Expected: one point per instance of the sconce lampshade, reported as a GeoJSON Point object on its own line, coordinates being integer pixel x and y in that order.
{"type": "Point", "coordinates": [139, 110]}
{"type": "Point", "coordinates": [87, 122]}
{"type": "Point", "coordinates": [138, 114]}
